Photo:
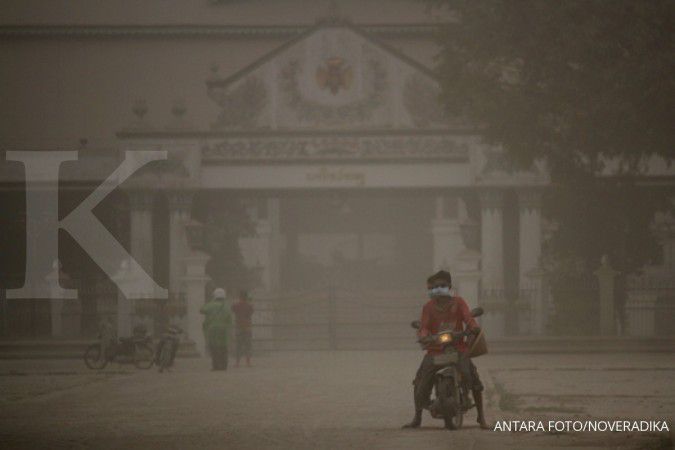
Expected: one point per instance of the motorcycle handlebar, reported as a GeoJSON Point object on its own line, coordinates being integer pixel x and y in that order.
{"type": "Point", "coordinates": [455, 335]}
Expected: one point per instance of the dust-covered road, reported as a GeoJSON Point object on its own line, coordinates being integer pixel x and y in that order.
{"type": "Point", "coordinates": [323, 400]}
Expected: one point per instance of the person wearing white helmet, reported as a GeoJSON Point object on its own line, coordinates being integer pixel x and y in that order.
{"type": "Point", "coordinates": [217, 322]}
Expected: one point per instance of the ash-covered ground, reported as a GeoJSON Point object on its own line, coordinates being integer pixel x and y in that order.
{"type": "Point", "coordinates": [325, 400]}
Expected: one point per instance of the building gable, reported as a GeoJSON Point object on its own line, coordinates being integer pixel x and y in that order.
{"type": "Point", "coordinates": [334, 76]}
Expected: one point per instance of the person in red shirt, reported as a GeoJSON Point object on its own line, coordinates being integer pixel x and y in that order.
{"type": "Point", "coordinates": [441, 312]}
{"type": "Point", "coordinates": [243, 310]}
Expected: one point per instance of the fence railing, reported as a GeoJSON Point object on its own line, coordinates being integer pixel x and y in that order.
{"type": "Point", "coordinates": [334, 318]}
{"type": "Point", "coordinates": [649, 306]}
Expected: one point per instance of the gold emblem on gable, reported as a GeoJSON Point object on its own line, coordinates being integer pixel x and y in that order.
{"type": "Point", "coordinates": [334, 75]}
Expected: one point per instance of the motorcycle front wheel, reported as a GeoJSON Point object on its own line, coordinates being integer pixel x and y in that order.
{"type": "Point", "coordinates": [143, 356]}
{"type": "Point", "coordinates": [448, 392]}
{"type": "Point", "coordinates": [94, 357]}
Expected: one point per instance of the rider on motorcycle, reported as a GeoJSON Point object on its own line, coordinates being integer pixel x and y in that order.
{"type": "Point", "coordinates": [443, 309]}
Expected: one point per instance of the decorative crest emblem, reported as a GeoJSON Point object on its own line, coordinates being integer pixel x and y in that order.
{"type": "Point", "coordinates": [334, 75]}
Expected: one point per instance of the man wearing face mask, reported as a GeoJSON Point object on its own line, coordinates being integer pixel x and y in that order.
{"type": "Point", "coordinates": [443, 308]}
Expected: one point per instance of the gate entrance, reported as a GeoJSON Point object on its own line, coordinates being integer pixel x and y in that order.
{"type": "Point", "coordinates": [338, 319]}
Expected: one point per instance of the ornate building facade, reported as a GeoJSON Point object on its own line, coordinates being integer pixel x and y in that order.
{"type": "Point", "coordinates": [335, 142]}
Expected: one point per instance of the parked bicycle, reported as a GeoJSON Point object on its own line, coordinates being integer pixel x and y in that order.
{"type": "Point", "coordinates": [167, 347]}
{"type": "Point", "coordinates": [136, 350]}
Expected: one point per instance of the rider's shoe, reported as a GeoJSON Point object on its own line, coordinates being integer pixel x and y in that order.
{"type": "Point", "coordinates": [478, 398]}
{"type": "Point", "coordinates": [416, 422]}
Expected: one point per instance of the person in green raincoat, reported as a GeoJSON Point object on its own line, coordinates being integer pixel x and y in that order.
{"type": "Point", "coordinates": [217, 322]}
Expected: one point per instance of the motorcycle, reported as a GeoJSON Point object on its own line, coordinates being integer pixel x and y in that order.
{"type": "Point", "coordinates": [136, 350]}
{"type": "Point", "coordinates": [451, 395]}
{"type": "Point", "coordinates": [167, 347]}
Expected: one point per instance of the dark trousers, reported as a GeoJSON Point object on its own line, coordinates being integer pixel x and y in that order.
{"type": "Point", "coordinates": [219, 358]}
{"type": "Point", "coordinates": [423, 383]}
{"type": "Point", "coordinates": [424, 380]}
{"type": "Point", "coordinates": [243, 347]}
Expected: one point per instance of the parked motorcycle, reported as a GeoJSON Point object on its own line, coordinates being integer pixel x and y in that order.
{"type": "Point", "coordinates": [451, 399]}
{"type": "Point", "coordinates": [167, 347]}
{"type": "Point", "coordinates": [136, 350]}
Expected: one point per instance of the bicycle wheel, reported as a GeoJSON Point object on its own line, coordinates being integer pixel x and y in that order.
{"type": "Point", "coordinates": [143, 355]}
{"type": "Point", "coordinates": [94, 357]}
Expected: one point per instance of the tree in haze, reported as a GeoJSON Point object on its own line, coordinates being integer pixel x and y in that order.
{"type": "Point", "coordinates": [578, 83]}
{"type": "Point", "coordinates": [225, 221]}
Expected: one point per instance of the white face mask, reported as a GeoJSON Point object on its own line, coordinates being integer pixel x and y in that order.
{"type": "Point", "coordinates": [441, 291]}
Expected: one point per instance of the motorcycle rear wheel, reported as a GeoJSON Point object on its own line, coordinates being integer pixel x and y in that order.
{"type": "Point", "coordinates": [94, 357]}
{"type": "Point", "coordinates": [143, 356]}
{"type": "Point", "coordinates": [447, 392]}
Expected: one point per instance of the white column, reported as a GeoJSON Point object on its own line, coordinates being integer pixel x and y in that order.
{"type": "Point", "coordinates": [125, 306]}
{"type": "Point", "coordinates": [140, 216]}
{"type": "Point", "coordinates": [273, 218]}
{"type": "Point", "coordinates": [141, 243]}
{"type": "Point", "coordinates": [530, 233]}
{"type": "Point", "coordinates": [492, 246]}
{"type": "Point", "coordinates": [538, 295]}
{"type": "Point", "coordinates": [446, 235]}
{"type": "Point", "coordinates": [180, 205]}
{"type": "Point", "coordinates": [56, 302]}
{"type": "Point", "coordinates": [65, 313]}
{"type": "Point", "coordinates": [492, 258]}
{"type": "Point", "coordinates": [466, 276]}
{"type": "Point", "coordinates": [195, 280]}
{"type": "Point", "coordinates": [606, 285]}
{"type": "Point", "coordinates": [530, 279]}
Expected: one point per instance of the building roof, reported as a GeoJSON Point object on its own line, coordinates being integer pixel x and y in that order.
{"type": "Point", "coordinates": [263, 13]}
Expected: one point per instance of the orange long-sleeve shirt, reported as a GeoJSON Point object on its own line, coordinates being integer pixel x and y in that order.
{"type": "Point", "coordinates": [456, 314]}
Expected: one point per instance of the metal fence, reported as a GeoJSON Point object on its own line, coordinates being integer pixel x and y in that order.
{"type": "Point", "coordinates": [331, 318]}
{"type": "Point", "coordinates": [649, 306]}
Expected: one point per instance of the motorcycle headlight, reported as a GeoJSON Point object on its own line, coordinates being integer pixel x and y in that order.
{"type": "Point", "coordinates": [445, 337]}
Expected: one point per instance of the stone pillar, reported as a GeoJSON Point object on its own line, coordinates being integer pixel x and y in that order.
{"type": "Point", "coordinates": [492, 262]}
{"type": "Point", "coordinates": [529, 203]}
{"type": "Point", "coordinates": [194, 281]}
{"type": "Point", "coordinates": [140, 205]}
{"type": "Point", "coordinates": [125, 306]}
{"type": "Point", "coordinates": [273, 219]}
{"type": "Point", "coordinates": [492, 245]}
{"type": "Point", "coordinates": [466, 276]}
{"type": "Point", "coordinates": [606, 277]}
{"type": "Point", "coordinates": [180, 205]}
{"type": "Point", "coordinates": [539, 301]}
{"type": "Point", "coordinates": [55, 300]}
{"type": "Point", "coordinates": [447, 236]}
{"type": "Point", "coordinates": [66, 313]}
{"type": "Point", "coordinates": [530, 279]}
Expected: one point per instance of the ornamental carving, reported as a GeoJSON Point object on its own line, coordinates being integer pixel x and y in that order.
{"type": "Point", "coordinates": [337, 148]}
{"type": "Point", "coordinates": [242, 105]}
{"type": "Point", "coordinates": [334, 75]}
